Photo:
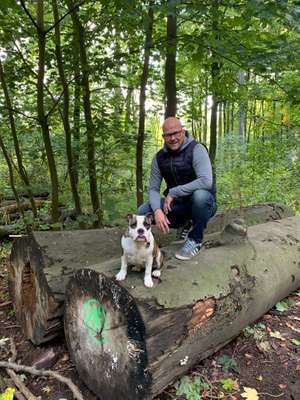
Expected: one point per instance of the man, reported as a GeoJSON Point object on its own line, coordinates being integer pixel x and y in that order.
{"type": "Point", "coordinates": [185, 166]}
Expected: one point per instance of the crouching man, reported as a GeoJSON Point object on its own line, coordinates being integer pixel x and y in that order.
{"type": "Point", "coordinates": [189, 199]}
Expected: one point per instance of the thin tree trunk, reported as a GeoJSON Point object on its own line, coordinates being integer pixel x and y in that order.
{"type": "Point", "coordinates": [205, 113]}
{"type": "Point", "coordinates": [21, 168]}
{"type": "Point", "coordinates": [11, 175]}
{"type": "Point", "coordinates": [41, 111]}
{"type": "Point", "coordinates": [170, 67]}
{"type": "Point", "coordinates": [66, 105]}
{"type": "Point", "coordinates": [232, 118]}
{"type": "Point", "coordinates": [141, 129]}
{"type": "Point", "coordinates": [90, 129]}
{"type": "Point", "coordinates": [242, 108]}
{"type": "Point", "coordinates": [213, 130]}
{"type": "Point", "coordinates": [76, 120]}
{"type": "Point", "coordinates": [224, 117]}
{"type": "Point", "coordinates": [220, 115]}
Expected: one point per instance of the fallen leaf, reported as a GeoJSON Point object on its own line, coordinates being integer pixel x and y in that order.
{"type": "Point", "coordinates": [3, 341]}
{"type": "Point", "coordinates": [282, 386]}
{"type": "Point", "coordinates": [277, 335]}
{"type": "Point", "coordinates": [250, 394]}
{"type": "Point", "coordinates": [8, 394]}
{"type": "Point", "coordinates": [260, 378]}
{"type": "Point", "coordinates": [264, 346]}
{"type": "Point", "coordinates": [47, 389]}
{"type": "Point", "coordinates": [296, 342]}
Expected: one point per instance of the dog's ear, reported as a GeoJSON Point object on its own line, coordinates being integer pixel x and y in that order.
{"type": "Point", "coordinates": [129, 217]}
{"type": "Point", "coordinates": [149, 217]}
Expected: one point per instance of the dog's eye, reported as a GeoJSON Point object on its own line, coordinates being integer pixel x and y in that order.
{"type": "Point", "coordinates": [133, 225]}
{"type": "Point", "coordinates": [147, 225]}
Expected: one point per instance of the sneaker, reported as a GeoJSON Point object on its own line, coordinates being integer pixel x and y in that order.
{"type": "Point", "coordinates": [182, 232]}
{"type": "Point", "coordinates": [189, 250]}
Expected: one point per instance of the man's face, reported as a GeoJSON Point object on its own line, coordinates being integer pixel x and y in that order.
{"type": "Point", "coordinates": [173, 134]}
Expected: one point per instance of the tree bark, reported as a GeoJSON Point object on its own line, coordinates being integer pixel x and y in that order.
{"type": "Point", "coordinates": [66, 106]}
{"type": "Point", "coordinates": [131, 342]}
{"type": "Point", "coordinates": [11, 175]}
{"type": "Point", "coordinates": [90, 129]}
{"type": "Point", "coordinates": [42, 264]}
{"type": "Point", "coordinates": [43, 121]}
{"type": "Point", "coordinates": [170, 67]}
{"type": "Point", "coordinates": [141, 129]}
{"type": "Point", "coordinates": [21, 168]}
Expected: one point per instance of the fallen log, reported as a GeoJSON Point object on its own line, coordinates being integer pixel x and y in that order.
{"type": "Point", "coordinates": [129, 342]}
{"type": "Point", "coordinates": [42, 263]}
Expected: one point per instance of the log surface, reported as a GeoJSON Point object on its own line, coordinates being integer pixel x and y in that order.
{"type": "Point", "coordinates": [198, 307]}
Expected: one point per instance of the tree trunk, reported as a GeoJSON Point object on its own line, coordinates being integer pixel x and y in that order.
{"type": "Point", "coordinates": [205, 118]}
{"type": "Point", "coordinates": [90, 129]}
{"type": "Point", "coordinates": [41, 111]}
{"type": "Point", "coordinates": [66, 106]}
{"type": "Point", "coordinates": [21, 168]}
{"type": "Point", "coordinates": [129, 342]}
{"type": "Point", "coordinates": [76, 109]}
{"type": "Point", "coordinates": [11, 175]}
{"type": "Point", "coordinates": [141, 130]}
{"type": "Point", "coordinates": [213, 130]}
{"type": "Point", "coordinates": [42, 264]}
{"type": "Point", "coordinates": [170, 67]}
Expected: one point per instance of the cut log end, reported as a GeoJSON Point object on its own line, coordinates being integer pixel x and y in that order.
{"type": "Point", "coordinates": [106, 337]}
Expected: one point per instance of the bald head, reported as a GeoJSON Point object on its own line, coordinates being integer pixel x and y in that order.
{"type": "Point", "coordinates": [171, 124]}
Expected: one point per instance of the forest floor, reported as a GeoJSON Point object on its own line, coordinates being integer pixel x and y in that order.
{"type": "Point", "coordinates": [263, 362]}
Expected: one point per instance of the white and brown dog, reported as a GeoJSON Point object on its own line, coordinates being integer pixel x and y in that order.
{"type": "Point", "coordinates": [140, 248]}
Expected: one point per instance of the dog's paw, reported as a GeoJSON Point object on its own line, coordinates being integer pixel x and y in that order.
{"type": "Point", "coordinates": [156, 273]}
{"type": "Point", "coordinates": [148, 282]}
{"type": "Point", "coordinates": [121, 276]}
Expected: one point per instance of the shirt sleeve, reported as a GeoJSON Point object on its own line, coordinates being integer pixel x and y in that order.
{"type": "Point", "coordinates": [203, 171]}
{"type": "Point", "coordinates": [154, 185]}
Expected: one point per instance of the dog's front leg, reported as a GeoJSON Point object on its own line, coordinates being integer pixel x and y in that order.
{"type": "Point", "coordinates": [148, 272]}
{"type": "Point", "coordinates": [121, 275]}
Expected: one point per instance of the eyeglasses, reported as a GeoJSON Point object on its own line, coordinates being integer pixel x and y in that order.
{"type": "Point", "coordinates": [168, 136]}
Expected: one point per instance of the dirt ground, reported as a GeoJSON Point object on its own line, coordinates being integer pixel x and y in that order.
{"type": "Point", "coordinates": [263, 362]}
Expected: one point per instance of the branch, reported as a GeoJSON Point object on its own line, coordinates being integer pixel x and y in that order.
{"type": "Point", "coordinates": [29, 15]}
{"type": "Point", "coordinates": [66, 14]}
{"type": "Point", "coordinates": [17, 381]}
{"type": "Point", "coordinates": [42, 372]}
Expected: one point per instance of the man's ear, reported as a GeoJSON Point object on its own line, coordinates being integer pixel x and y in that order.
{"type": "Point", "coordinates": [149, 217]}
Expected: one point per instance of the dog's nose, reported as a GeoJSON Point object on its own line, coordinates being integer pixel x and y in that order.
{"type": "Point", "coordinates": [140, 231]}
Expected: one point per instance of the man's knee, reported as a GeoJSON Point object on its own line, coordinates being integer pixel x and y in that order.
{"type": "Point", "coordinates": [144, 209]}
{"type": "Point", "coordinates": [202, 198]}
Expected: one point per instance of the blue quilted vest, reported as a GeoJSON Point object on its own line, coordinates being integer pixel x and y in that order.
{"type": "Point", "coordinates": [177, 167]}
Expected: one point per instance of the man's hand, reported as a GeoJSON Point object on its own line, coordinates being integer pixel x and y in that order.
{"type": "Point", "coordinates": [168, 203]}
{"type": "Point", "coordinates": [161, 221]}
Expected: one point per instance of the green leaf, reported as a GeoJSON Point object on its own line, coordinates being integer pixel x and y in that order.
{"type": "Point", "coordinates": [282, 306]}
{"type": "Point", "coordinates": [229, 364]}
{"type": "Point", "coordinates": [296, 342]}
{"type": "Point", "coordinates": [228, 383]}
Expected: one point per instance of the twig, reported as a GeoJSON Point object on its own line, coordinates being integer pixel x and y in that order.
{"type": "Point", "coordinates": [6, 303]}
{"type": "Point", "coordinates": [12, 326]}
{"type": "Point", "coordinates": [271, 395]}
{"type": "Point", "coordinates": [40, 372]}
{"type": "Point", "coordinates": [17, 381]}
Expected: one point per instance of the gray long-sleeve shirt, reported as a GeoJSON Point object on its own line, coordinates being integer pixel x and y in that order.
{"type": "Point", "coordinates": [203, 172]}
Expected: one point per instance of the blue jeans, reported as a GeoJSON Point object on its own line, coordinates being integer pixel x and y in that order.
{"type": "Point", "coordinates": [199, 207]}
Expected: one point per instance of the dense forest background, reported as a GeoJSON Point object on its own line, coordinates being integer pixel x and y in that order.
{"type": "Point", "coordinates": [85, 86]}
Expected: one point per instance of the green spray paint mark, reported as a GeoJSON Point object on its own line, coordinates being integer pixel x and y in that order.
{"type": "Point", "coordinates": [94, 319]}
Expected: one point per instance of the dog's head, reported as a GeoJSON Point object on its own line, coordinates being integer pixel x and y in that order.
{"type": "Point", "coordinates": [139, 228]}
